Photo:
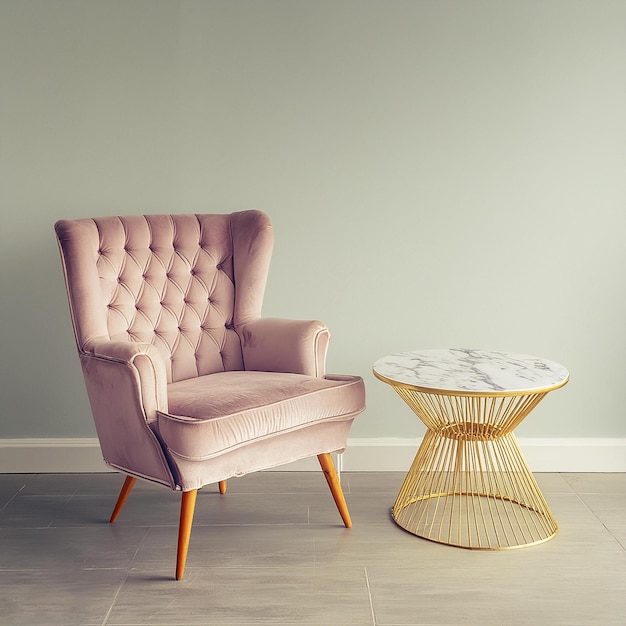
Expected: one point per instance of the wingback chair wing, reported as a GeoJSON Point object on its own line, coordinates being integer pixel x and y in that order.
{"type": "Point", "coordinates": [188, 384]}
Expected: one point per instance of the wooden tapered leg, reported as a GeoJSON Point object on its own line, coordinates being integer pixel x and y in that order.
{"type": "Point", "coordinates": [328, 467]}
{"type": "Point", "coordinates": [129, 483]}
{"type": "Point", "coordinates": [222, 486]}
{"type": "Point", "coordinates": [187, 507]}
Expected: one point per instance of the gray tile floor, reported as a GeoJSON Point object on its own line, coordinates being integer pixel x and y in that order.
{"type": "Point", "coordinates": [273, 551]}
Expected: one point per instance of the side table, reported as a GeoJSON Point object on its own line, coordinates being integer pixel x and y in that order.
{"type": "Point", "coordinates": [469, 485]}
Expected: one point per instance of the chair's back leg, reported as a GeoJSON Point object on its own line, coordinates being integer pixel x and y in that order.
{"type": "Point", "coordinates": [187, 507]}
{"type": "Point", "coordinates": [222, 486]}
{"type": "Point", "coordinates": [129, 483]}
{"type": "Point", "coordinates": [328, 467]}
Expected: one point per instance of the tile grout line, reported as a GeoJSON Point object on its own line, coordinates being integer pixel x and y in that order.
{"type": "Point", "coordinates": [369, 593]}
{"type": "Point", "coordinates": [606, 528]}
{"type": "Point", "coordinates": [115, 596]}
{"type": "Point", "coordinates": [17, 493]}
{"type": "Point", "coordinates": [105, 621]}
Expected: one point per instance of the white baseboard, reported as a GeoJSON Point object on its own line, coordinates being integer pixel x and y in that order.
{"type": "Point", "coordinates": [542, 455]}
{"type": "Point", "coordinates": [48, 456]}
{"type": "Point", "coordinates": [381, 454]}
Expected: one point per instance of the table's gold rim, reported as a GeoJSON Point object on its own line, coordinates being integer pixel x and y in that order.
{"type": "Point", "coordinates": [473, 394]}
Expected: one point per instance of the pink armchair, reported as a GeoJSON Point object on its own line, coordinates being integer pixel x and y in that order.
{"type": "Point", "coordinates": [188, 384]}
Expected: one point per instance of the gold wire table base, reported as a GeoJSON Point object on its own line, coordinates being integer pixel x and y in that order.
{"type": "Point", "coordinates": [473, 492]}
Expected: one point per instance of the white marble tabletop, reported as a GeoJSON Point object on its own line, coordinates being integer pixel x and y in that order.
{"type": "Point", "coordinates": [459, 370]}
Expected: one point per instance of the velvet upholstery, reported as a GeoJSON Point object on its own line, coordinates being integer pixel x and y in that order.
{"type": "Point", "coordinates": [188, 384]}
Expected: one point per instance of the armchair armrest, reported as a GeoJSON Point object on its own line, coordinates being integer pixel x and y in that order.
{"type": "Point", "coordinates": [145, 359]}
{"type": "Point", "coordinates": [280, 345]}
{"type": "Point", "coordinates": [127, 384]}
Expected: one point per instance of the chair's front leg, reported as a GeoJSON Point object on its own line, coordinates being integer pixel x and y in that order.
{"type": "Point", "coordinates": [129, 483]}
{"type": "Point", "coordinates": [328, 467]}
{"type": "Point", "coordinates": [187, 507]}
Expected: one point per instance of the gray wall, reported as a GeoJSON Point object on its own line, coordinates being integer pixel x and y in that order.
{"type": "Point", "coordinates": [439, 173]}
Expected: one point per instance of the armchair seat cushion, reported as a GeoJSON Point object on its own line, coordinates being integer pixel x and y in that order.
{"type": "Point", "coordinates": [214, 414]}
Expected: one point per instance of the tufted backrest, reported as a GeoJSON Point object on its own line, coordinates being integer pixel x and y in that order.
{"type": "Point", "coordinates": [183, 283]}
